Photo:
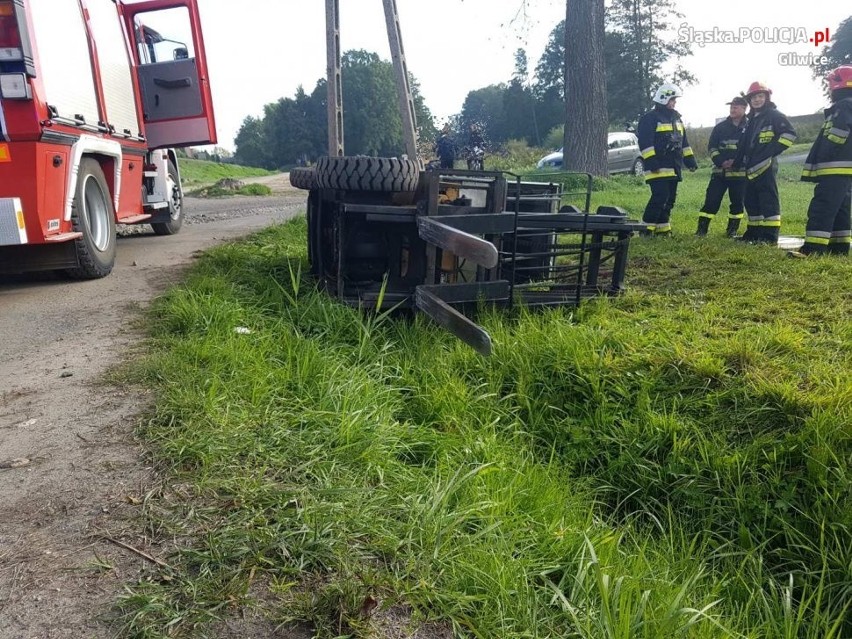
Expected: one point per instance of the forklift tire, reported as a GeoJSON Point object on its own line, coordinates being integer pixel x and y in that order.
{"type": "Point", "coordinates": [93, 215]}
{"type": "Point", "coordinates": [303, 177]}
{"type": "Point", "coordinates": [364, 173]}
{"type": "Point", "coordinates": [175, 205]}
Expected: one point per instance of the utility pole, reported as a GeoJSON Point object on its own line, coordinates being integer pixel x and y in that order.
{"type": "Point", "coordinates": [335, 87]}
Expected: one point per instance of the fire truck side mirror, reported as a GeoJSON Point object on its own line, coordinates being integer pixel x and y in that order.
{"type": "Point", "coordinates": [181, 53]}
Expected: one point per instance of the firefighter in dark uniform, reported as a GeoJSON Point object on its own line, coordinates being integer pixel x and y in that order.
{"type": "Point", "coordinates": [665, 151]}
{"type": "Point", "coordinates": [723, 145]}
{"type": "Point", "coordinates": [829, 164]}
{"type": "Point", "coordinates": [768, 134]}
{"type": "Point", "coordinates": [445, 147]}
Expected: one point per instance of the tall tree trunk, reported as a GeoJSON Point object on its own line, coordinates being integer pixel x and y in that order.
{"type": "Point", "coordinates": [584, 146]}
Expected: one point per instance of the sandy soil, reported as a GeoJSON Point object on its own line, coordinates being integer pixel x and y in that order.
{"type": "Point", "coordinates": [72, 478]}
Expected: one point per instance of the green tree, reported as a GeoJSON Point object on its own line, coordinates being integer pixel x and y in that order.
{"type": "Point", "coordinates": [640, 45]}
{"type": "Point", "coordinates": [519, 104]}
{"type": "Point", "coordinates": [251, 144]}
{"type": "Point", "coordinates": [295, 128]}
{"type": "Point", "coordinates": [371, 122]}
{"type": "Point", "coordinates": [484, 107]}
{"type": "Point", "coordinates": [636, 47]}
{"type": "Point", "coordinates": [838, 52]}
{"type": "Point", "coordinates": [550, 70]}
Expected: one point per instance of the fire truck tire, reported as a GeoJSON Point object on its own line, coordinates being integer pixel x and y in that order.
{"type": "Point", "coordinates": [363, 173]}
{"type": "Point", "coordinates": [303, 177]}
{"type": "Point", "coordinates": [93, 215]}
{"type": "Point", "coordinates": [175, 205]}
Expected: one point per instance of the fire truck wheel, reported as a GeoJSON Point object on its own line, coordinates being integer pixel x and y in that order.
{"type": "Point", "coordinates": [93, 215]}
{"type": "Point", "coordinates": [363, 173]}
{"type": "Point", "coordinates": [303, 177]}
{"type": "Point", "coordinates": [175, 205]}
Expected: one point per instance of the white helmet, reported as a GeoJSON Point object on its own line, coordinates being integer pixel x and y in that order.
{"type": "Point", "coordinates": [666, 92]}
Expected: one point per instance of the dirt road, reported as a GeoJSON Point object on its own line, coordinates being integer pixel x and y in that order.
{"type": "Point", "coordinates": [72, 478]}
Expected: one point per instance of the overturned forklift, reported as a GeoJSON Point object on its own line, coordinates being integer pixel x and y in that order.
{"type": "Point", "coordinates": [383, 231]}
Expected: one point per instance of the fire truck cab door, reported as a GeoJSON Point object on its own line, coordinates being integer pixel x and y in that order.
{"type": "Point", "coordinates": [171, 67]}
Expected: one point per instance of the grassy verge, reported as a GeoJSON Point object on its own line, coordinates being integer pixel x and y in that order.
{"type": "Point", "coordinates": [670, 463]}
{"type": "Point", "coordinates": [197, 173]}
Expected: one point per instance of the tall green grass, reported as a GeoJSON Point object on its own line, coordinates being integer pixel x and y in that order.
{"type": "Point", "coordinates": [670, 463]}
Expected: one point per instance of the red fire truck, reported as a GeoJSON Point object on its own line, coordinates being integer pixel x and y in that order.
{"type": "Point", "coordinates": [94, 96]}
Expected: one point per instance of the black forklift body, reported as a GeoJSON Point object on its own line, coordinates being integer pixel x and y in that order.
{"type": "Point", "coordinates": [466, 237]}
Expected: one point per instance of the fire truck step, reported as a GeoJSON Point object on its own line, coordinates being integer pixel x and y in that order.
{"type": "Point", "coordinates": [63, 237]}
{"type": "Point", "coordinates": [133, 219]}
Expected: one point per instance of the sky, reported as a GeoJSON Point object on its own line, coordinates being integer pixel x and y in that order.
{"type": "Point", "coordinates": [261, 50]}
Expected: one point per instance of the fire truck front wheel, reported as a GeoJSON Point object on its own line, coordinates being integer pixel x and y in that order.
{"type": "Point", "coordinates": [93, 215]}
{"type": "Point", "coordinates": [175, 205]}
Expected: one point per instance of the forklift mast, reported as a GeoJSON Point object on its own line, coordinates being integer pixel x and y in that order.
{"type": "Point", "coordinates": [335, 87]}
{"type": "Point", "coordinates": [384, 232]}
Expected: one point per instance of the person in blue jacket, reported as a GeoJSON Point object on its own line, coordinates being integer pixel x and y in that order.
{"type": "Point", "coordinates": [665, 151]}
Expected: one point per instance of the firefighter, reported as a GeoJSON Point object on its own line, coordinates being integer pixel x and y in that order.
{"type": "Point", "coordinates": [445, 147]}
{"type": "Point", "coordinates": [829, 164]}
{"type": "Point", "coordinates": [665, 151]}
{"type": "Point", "coordinates": [724, 141]}
{"type": "Point", "coordinates": [768, 134]}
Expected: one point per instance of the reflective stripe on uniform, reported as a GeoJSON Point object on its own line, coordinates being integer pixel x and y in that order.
{"type": "Point", "coordinates": [664, 128]}
{"type": "Point", "coordinates": [648, 153]}
{"type": "Point", "coordinates": [837, 139]}
{"type": "Point", "coordinates": [841, 237]}
{"type": "Point", "coordinates": [687, 152]}
{"type": "Point", "coordinates": [827, 168]}
{"type": "Point", "coordinates": [837, 133]}
{"type": "Point", "coordinates": [662, 173]}
{"type": "Point", "coordinates": [818, 237]}
{"type": "Point", "coordinates": [758, 169]}
{"type": "Point", "coordinates": [787, 139]}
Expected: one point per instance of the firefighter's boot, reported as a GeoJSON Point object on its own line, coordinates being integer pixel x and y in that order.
{"type": "Point", "coordinates": [733, 227]}
{"type": "Point", "coordinates": [770, 235]}
{"type": "Point", "coordinates": [703, 226]}
{"type": "Point", "coordinates": [751, 235]}
{"type": "Point", "coordinates": [838, 248]}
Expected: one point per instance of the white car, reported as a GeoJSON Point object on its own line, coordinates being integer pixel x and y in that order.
{"type": "Point", "coordinates": [623, 155]}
